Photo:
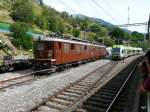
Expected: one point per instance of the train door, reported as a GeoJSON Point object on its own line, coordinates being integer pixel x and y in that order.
{"type": "Point", "coordinates": [59, 53]}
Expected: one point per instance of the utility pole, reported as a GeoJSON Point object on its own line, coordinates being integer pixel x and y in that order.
{"type": "Point", "coordinates": [128, 22]}
{"type": "Point", "coordinates": [148, 31]}
{"type": "Point", "coordinates": [84, 34]}
{"type": "Point", "coordinates": [128, 15]}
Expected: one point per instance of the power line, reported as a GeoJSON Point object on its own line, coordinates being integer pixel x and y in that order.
{"type": "Point", "coordinates": [69, 6]}
{"type": "Point", "coordinates": [133, 24]}
{"type": "Point", "coordinates": [99, 6]}
{"type": "Point", "coordinates": [114, 10]}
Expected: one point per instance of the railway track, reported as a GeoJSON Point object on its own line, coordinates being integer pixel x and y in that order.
{"type": "Point", "coordinates": [16, 81]}
{"type": "Point", "coordinates": [66, 98]}
{"type": "Point", "coordinates": [113, 97]}
{"type": "Point", "coordinates": [22, 79]}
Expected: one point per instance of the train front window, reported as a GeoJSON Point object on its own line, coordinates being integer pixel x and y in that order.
{"type": "Point", "coordinates": [40, 47]}
{"type": "Point", "coordinates": [116, 50]}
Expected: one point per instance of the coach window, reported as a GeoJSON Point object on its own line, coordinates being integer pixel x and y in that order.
{"type": "Point", "coordinates": [59, 45]}
{"type": "Point", "coordinates": [66, 48]}
{"type": "Point", "coordinates": [78, 48]}
{"type": "Point", "coordinates": [85, 47]}
{"type": "Point", "coordinates": [72, 47]}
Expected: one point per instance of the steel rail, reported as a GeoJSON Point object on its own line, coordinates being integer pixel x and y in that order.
{"type": "Point", "coordinates": [76, 83]}
{"type": "Point", "coordinates": [117, 95]}
{"type": "Point", "coordinates": [2, 82]}
{"type": "Point", "coordinates": [78, 103]}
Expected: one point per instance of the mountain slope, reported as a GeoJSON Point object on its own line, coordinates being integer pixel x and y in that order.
{"type": "Point", "coordinates": [100, 21]}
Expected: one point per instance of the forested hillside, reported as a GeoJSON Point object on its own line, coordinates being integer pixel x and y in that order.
{"type": "Point", "coordinates": [34, 16]}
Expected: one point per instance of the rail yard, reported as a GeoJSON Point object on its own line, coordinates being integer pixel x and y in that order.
{"type": "Point", "coordinates": [68, 75]}
{"type": "Point", "coordinates": [61, 91]}
{"type": "Point", "coordinates": [74, 56]}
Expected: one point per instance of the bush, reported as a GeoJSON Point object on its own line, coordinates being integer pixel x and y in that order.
{"type": "Point", "coordinates": [76, 32]}
{"type": "Point", "coordinates": [22, 11]}
{"type": "Point", "coordinates": [21, 38]}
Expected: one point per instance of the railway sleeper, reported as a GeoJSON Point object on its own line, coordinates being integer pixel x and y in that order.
{"type": "Point", "coordinates": [78, 89]}
{"type": "Point", "coordinates": [84, 84]}
{"type": "Point", "coordinates": [97, 104]}
{"type": "Point", "coordinates": [106, 95]}
{"type": "Point", "coordinates": [97, 99]}
{"type": "Point", "coordinates": [70, 94]}
{"type": "Point", "coordinates": [93, 108]}
{"type": "Point", "coordinates": [107, 90]}
{"type": "Point", "coordinates": [55, 105]}
{"type": "Point", "coordinates": [45, 109]}
{"type": "Point", "coordinates": [61, 101]}
{"type": "Point", "coordinates": [118, 108]}
{"type": "Point", "coordinates": [66, 98]}
{"type": "Point", "coordinates": [80, 110]}
{"type": "Point", "coordinates": [81, 86]}
{"type": "Point", "coordinates": [73, 91]}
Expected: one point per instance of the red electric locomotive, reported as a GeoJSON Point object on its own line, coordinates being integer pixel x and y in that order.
{"type": "Point", "coordinates": [50, 52]}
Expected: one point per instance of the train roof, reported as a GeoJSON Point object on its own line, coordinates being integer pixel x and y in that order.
{"type": "Point", "coordinates": [68, 41]}
{"type": "Point", "coordinates": [126, 47]}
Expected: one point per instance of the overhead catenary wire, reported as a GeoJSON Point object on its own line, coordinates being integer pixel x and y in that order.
{"type": "Point", "coordinates": [108, 14]}
{"type": "Point", "coordinates": [69, 6]}
{"type": "Point", "coordinates": [132, 24]}
{"type": "Point", "coordinates": [114, 10]}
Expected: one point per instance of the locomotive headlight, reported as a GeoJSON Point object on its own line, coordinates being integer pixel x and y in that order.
{"type": "Point", "coordinates": [45, 64]}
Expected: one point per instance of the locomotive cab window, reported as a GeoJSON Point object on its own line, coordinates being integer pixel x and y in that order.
{"type": "Point", "coordinates": [40, 47]}
{"type": "Point", "coordinates": [59, 45]}
{"type": "Point", "coordinates": [85, 48]}
{"type": "Point", "coordinates": [72, 47]}
{"type": "Point", "coordinates": [49, 45]}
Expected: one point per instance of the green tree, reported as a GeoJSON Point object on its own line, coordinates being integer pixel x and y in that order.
{"type": "Point", "coordinates": [137, 36]}
{"type": "Point", "coordinates": [102, 32]}
{"type": "Point", "coordinates": [60, 26]}
{"type": "Point", "coordinates": [42, 22]}
{"type": "Point", "coordinates": [21, 38]}
{"type": "Point", "coordinates": [22, 11]}
{"type": "Point", "coordinates": [76, 32]}
{"type": "Point", "coordinates": [64, 15]}
{"type": "Point", "coordinates": [84, 24]}
{"type": "Point", "coordinates": [108, 41]}
{"type": "Point", "coordinates": [94, 28]}
{"type": "Point", "coordinates": [56, 24]}
{"type": "Point", "coordinates": [118, 34]}
{"type": "Point", "coordinates": [91, 36]}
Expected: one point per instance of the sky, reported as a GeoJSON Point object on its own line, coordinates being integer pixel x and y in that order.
{"type": "Point", "coordinates": [113, 11]}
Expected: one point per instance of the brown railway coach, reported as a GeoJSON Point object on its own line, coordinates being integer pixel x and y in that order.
{"type": "Point", "coordinates": [51, 52]}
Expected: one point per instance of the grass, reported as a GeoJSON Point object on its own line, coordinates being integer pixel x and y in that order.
{"type": "Point", "coordinates": [37, 9]}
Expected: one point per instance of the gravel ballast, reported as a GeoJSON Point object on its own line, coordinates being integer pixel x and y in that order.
{"type": "Point", "coordinates": [23, 98]}
{"type": "Point", "coordinates": [9, 75]}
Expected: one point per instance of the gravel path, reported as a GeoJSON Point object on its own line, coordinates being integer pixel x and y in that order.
{"type": "Point", "coordinates": [23, 98]}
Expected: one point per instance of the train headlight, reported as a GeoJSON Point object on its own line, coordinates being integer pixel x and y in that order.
{"type": "Point", "coordinates": [45, 64]}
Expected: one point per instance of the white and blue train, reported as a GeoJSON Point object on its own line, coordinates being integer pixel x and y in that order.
{"type": "Point", "coordinates": [120, 52]}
